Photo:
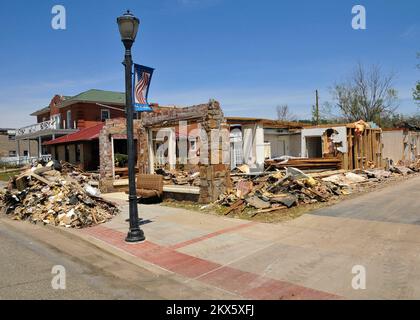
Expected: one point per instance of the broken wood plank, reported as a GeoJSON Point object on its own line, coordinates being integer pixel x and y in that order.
{"type": "Point", "coordinates": [41, 179]}
{"type": "Point", "coordinates": [267, 210]}
{"type": "Point", "coordinates": [235, 205]}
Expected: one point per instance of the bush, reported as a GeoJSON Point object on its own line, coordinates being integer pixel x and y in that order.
{"type": "Point", "coordinates": [120, 160]}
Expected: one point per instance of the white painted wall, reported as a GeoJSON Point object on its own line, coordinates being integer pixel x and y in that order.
{"type": "Point", "coordinates": [171, 148]}
{"type": "Point", "coordinates": [259, 147]}
{"type": "Point", "coordinates": [318, 132]}
{"type": "Point", "coordinates": [393, 142]}
{"type": "Point", "coordinates": [248, 139]}
{"type": "Point", "coordinates": [279, 144]}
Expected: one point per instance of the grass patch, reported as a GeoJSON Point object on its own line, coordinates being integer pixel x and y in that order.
{"type": "Point", "coordinates": [5, 176]}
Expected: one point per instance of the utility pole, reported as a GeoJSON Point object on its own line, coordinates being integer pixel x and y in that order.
{"type": "Point", "coordinates": [317, 108]}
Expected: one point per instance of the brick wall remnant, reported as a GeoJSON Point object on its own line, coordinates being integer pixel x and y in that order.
{"type": "Point", "coordinates": [113, 127]}
{"type": "Point", "coordinates": [214, 177]}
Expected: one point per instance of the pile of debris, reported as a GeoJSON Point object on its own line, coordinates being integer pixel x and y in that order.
{"type": "Point", "coordinates": [272, 191]}
{"type": "Point", "coordinates": [180, 177]}
{"type": "Point", "coordinates": [303, 163]}
{"type": "Point", "coordinates": [411, 165]}
{"type": "Point", "coordinates": [58, 194]}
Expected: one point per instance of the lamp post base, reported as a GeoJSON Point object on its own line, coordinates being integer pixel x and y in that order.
{"type": "Point", "coordinates": [135, 236]}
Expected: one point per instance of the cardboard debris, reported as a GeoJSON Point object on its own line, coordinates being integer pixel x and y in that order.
{"type": "Point", "coordinates": [65, 197]}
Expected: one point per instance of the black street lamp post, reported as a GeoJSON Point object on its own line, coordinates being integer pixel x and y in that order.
{"type": "Point", "coordinates": [128, 26]}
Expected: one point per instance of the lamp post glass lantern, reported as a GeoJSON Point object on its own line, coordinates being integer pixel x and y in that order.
{"type": "Point", "coordinates": [128, 26]}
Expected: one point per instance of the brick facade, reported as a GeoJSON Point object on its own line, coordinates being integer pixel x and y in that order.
{"type": "Point", "coordinates": [85, 115]}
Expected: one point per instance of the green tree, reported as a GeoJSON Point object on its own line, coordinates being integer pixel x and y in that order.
{"type": "Point", "coordinates": [416, 91]}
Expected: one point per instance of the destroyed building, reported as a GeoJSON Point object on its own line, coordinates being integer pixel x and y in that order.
{"type": "Point", "coordinates": [401, 144]}
{"type": "Point", "coordinates": [204, 119]}
{"type": "Point", "coordinates": [88, 130]}
{"type": "Point", "coordinates": [352, 146]}
{"type": "Point", "coordinates": [253, 140]}
{"type": "Point", "coordinates": [256, 142]}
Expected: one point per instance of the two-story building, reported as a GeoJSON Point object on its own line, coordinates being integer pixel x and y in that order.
{"type": "Point", "coordinates": [9, 148]}
{"type": "Point", "coordinates": [66, 115]}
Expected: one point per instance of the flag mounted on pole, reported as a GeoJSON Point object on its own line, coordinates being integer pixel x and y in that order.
{"type": "Point", "coordinates": [142, 79]}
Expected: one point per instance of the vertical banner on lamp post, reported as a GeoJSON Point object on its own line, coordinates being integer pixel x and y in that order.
{"type": "Point", "coordinates": [142, 79]}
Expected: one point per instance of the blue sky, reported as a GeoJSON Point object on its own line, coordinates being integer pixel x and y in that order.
{"type": "Point", "coordinates": [249, 55]}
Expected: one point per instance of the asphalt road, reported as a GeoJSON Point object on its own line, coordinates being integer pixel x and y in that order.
{"type": "Point", "coordinates": [398, 204]}
{"type": "Point", "coordinates": [26, 273]}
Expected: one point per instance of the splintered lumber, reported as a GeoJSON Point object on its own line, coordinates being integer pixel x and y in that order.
{"type": "Point", "coordinates": [280, 190]}
{"type": "Point", "coordinates": [323, 197]}
{"type": "Point", "coordinates": [307, 163]}
{"type": "Point", "coordinates": [42, 170]}
{"type": "Point", "coordinates": [94, 216]}
{"type": "Point", "coordinates": [234, 206]}
{"type": "Point", "coordinates": [68, 201]}
{"type": "Point", "coordinates": [267, 210]}
{"type": "Point", "coordinates": [326, 173]}
{"type": "Point", "coordinates": [21, 182]}
{"type": "Point", "coordinates": [39, 178]}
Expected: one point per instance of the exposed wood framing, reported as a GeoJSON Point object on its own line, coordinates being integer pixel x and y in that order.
{"type": "Point", "coordinates": [363, 150]}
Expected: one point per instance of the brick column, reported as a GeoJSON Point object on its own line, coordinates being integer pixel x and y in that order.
{"type": "Point", "coordinates": [143, 150]}
{"type": "Point", "coordinates": [105, 161]}
{"type": "Point", "coordinates": [215, 177]}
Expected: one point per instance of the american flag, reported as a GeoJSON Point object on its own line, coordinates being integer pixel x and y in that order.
{"type": "Point", "coordinates": [141, 88]}
{"type": "Point", "coordinates": [142, 79]}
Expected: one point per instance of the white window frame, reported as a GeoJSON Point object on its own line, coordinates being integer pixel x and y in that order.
{"type": "Point", "coordinates": [68, 119]}
{"type": "Point", "coordinates": [108, 112]}
{"type": "Point", "coordinates": [193, 144]}
{"type": "Point", "coordinates": [57, 119]}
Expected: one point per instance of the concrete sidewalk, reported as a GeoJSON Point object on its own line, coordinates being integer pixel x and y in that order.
{"type": "Point", "coordinates": [309, 257]}
{"type": "Point", "coordinates": [201, 248]}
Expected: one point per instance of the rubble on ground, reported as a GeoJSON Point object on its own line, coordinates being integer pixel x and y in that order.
{"type": "Point", "coordinates": [278, 190]}
{"type": "Point", "coordinates": [57, 194]}
{"type": "Point", "coordinates": [180, 177]}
